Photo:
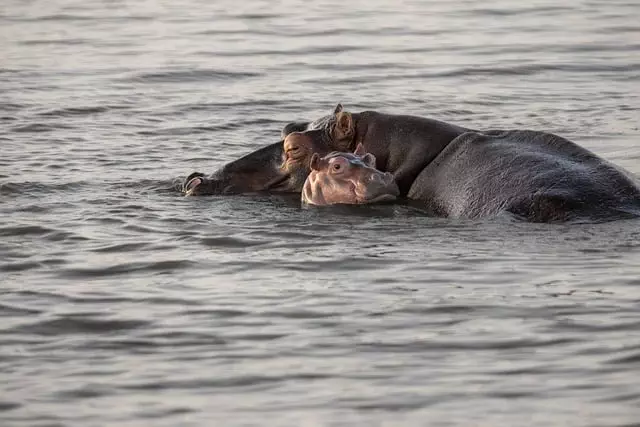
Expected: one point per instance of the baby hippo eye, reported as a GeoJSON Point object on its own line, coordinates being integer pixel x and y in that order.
{"type": "Point", "coordinates": [336, 166]}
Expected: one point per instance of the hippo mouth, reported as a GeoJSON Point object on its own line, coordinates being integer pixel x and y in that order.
{"type": "Point", "coordinates": [378, 199]}
{"type": "Point", "coordinates": [387, 195]}
{"type": "Point", "coordinates": [277, 182]}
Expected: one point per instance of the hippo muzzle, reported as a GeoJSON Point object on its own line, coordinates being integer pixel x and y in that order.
{"type": "Point", "coordinates": [345, 178]}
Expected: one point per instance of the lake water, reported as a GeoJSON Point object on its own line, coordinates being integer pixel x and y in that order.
{"type": "Point", "coordinates": [125, 304]}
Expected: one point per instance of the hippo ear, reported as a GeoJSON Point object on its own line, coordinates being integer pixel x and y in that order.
{"type": "Point", "coordinates": [369, 160]}
{"type": "Point", "coordinates": [314, 164]}
{"type": "Point", "coordinates": [344, 126]}
{"type": "Point", "coordinates": [360, 151]}
{"type": "Point", "coordinates": [338, 108]}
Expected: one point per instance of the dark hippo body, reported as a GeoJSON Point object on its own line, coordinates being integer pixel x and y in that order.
{"type": "Point", "coordinates": [537, 176]}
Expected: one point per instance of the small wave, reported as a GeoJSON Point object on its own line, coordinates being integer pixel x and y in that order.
{"type": "Point", "coordinates": [230, 242]}
{"type": "Point", "coordinates": [190, 76]}
{"type": "Point", "coordinates": [15, 267]}
{"type": "Point", "coordinates": [242, 381]}
{"type": "Point", "coordinates": [66, 17]}
{"type": "Point", "coordinates": [12, 310]}
{"type": "Point", "coordinates": [121, 247]}
{"type": "Point", "coordinates": [10, 106]}
{"type": "Point", "coordinates": [434, 345]}
{"type": "Point", "coordinates": [76, 325]}
{"type": "Point", "coordinates": [168, 339]}
{"type": "Point", "coordinates": [87, 391]}
{"type": "Point", "coordinates": [25, 230]}
{"type": "Point", "coordinates": [9, 406]}
{"type": "Point", "coordinates": [633, 358]}
{"type": "Point", "coordinates": [125, 268]}
{"type": "Point", "coordinates": [62, 42]}
{"type": "Point", "coordinates": [77, 111]}
{"type": "Point", "coordinates": [39, 127]}
{"type": "Point", "coordinates": [35, 188]}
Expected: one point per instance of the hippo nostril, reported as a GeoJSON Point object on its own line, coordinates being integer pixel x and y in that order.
{"type": "Point", "coordinates": [191, 186]}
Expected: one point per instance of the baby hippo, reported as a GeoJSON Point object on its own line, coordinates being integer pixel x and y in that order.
{"type": "Point", "coordinates": [345, 178]}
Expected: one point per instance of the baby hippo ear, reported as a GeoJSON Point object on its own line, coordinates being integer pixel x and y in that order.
{"type": "Point", "coordinates": [369, 160]}
{"type": "Point", "coordinates": [314, 164]}
{"type": "Point", "coordinates": [338, 108]}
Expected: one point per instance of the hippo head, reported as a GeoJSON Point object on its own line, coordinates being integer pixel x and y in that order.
{"type": "Point", "coordinates": [280, 167]}
{"type": "Point", "coordinates": [257, 171]}
{"type": "Point", "coordinates": [345, 178]}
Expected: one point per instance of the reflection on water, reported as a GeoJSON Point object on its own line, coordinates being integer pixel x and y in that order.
{"type": "Point", "coordinates": [116, 292]}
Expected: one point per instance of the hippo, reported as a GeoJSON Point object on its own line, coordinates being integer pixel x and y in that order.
{"type": "Point", "coordinates": [347, 178]}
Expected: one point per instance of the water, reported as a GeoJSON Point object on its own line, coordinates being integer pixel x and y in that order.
{"type": "Point", "coordinates": [125, 304]}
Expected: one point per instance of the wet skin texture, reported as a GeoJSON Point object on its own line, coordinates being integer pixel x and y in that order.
{"type": "Point", "coordinates": [346, 178]}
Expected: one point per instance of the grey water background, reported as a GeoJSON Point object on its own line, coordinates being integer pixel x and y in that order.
{"type": "Point", "coordinates": [124, 304]}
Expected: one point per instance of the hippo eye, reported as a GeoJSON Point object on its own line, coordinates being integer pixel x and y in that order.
{"type": "Point", "coordinates": [336, 166]}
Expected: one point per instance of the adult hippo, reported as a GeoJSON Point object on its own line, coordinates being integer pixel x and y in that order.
{"type": "Point", "coordinates": [347, 178]}
{"type": "Point", "coordinates": [457, 172]}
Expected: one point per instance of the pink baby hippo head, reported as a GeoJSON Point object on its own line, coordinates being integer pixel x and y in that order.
{"type": "Point", "coordinates": [346, 178]}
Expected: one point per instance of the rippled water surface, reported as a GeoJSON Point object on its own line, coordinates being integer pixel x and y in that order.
{"type": "Point", "coordinates": [124, 304]}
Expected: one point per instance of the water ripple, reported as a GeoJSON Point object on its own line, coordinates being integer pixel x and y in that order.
{"type": "Point", "coordinates": [117, 292]}
{"type": "Point", "coordinates": [182, 76]}
{"type": "Point", "coordinates": [75, 325]}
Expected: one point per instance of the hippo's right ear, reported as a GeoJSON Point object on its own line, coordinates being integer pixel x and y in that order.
{"type": "Point", "coordinates": [314, 164]}
{"type": "Point", "coordinates": [338, 108]}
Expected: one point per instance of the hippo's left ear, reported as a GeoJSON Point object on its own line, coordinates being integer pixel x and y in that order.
{"type": "Point", "coordinates": [338, 108]}
{"type": "Point", "coordinates": [369, 160]}
{"type": "Point", "coordinates": [314, 164]}
{"type": "Point", "coordinates": [344, 129]}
